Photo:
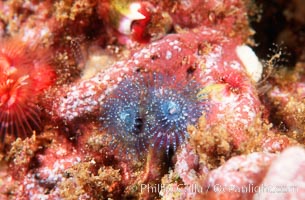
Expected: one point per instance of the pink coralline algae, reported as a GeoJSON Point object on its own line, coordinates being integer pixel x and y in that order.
{"type": "Point", "coordinates": [242, 173]}
{"type": "Point", "coordinates": [287, 183]}
{"type": "Point", "coordinates": [210, 60]}
{"type": "Point", "coordinates": [254, 176]}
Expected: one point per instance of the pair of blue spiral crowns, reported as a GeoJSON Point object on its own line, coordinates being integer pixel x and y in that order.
{"type": "Point", "coordinates": [151, 111]}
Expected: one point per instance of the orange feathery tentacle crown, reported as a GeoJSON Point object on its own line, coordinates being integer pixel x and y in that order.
{"type": "Point", "coordinates": [23, 76]}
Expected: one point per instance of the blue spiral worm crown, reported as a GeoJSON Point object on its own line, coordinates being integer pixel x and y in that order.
{"type": "Point", "coordinates": [123, 117]}
{"type": "Point", "coordinates": [152, 111]}
{"type": "Point", "coordinates": [173, 105]}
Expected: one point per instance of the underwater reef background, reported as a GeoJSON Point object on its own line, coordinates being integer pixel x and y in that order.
{"type": "Point", "coordinates": [119, 99]}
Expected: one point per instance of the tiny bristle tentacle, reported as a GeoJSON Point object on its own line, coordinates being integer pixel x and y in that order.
{"type": "Point", "coordinates": [174, 140]}
{"type": "Point", "coordinates": [20, 120]}
{"type": "Point", "coordinates": [33, 118]}
{"type": "Point", "coordinates": [24, 121]}
{"type": "Point", "coordinates": [20, 128]}
{"type": "Point", "coordinates": [34, 115]}
{"type": "Point", "coordinates": [161, 139]}
{"type": "Point", "coordinates": [30, 120]}
{"type": "Point", "coordinates": [3, 125]}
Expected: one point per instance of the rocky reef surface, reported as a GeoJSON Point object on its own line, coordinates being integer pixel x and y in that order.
{"type": "Point", "coordinates": [118, 99]}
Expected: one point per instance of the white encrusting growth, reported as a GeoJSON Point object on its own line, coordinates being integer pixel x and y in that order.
{"type": "Point", "coordinates": [253, 66]}
{"type": "Point", "coordinates": [51, 172]}
{"type": "Point", "coordinates": [212, 58]}
{"type": "Point", "coordinates": [88, 95]}
{"type": "Point", "coordinates": [168, 55]}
